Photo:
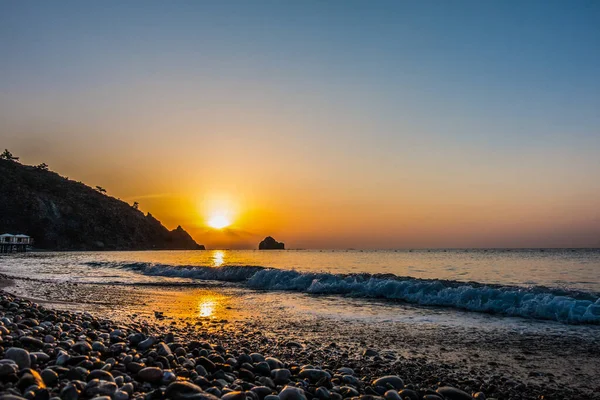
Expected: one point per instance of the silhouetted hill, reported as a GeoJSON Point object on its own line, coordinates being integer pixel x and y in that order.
{"type": "Point", "coordinates": [61, 214]}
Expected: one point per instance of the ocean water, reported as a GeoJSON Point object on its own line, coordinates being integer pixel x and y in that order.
{"type": "Point", "coordinates": [562, 286]}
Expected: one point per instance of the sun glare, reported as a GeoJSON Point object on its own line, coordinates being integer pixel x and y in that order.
{"type": "Point", "coordinates": [219, 221]}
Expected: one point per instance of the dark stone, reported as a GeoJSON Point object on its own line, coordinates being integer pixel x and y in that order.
{"type": "Point", "coordinates": [451, 393]}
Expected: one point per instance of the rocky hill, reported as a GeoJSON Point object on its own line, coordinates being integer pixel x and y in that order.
{"type": "Point", "coordinates": [61, 214]}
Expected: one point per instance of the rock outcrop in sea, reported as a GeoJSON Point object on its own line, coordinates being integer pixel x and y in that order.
{"type": "Point", "coordinates": [271, 244]}
{"type": "Point", "coordinates": [62, 214]}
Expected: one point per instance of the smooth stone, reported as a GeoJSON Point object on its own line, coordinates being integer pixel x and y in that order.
{"type": "Point", "coordinates": [452, 393]}
{"type": "Point", "coordinates": [100, 374]}
{"type": "Point", "coordinates": [40, 356]}
{"type": "Point", "coordinates": [292, 393]}
{"type": "Point", "coordinates": [236, 395]}
{"type": "Point", "coordinates": [8, 369]}
{"type": "Point", "coordinates": [163, 349]}
{"type": "Point", "coordinates": [99, 346]}
{"type": "Point", "coordinates": [314, 374]}
{"type": "Point", "coordinates": [29, 341]}
{"type": "Point", "coordinates": [168, 377]}
{"type": "Point", "coordinates": [394, 381]}
{"type": "Point", "coordinates": [411, 394]}
{"type": "Point", "coordinates": [271, 397]}
{"type": "Point", "coordinates": [262, 368]}
{"type": "Point", "coordinates": [322, 393]}
{"type": "Point", "coordinates": [351, 380]}
{"type": "Point", "coordinates": [187, 391]}
{"type": "Point", "coordinates": [69, 392]}
{"type": "Point", "coordinates": [19, 356]}
{"type": "Point", "coordinates": [30, 377]}
{"type": "Point", "coordinates": [150, 374]}
{"type": "Point", "coordinates": [261, 391]}
{"type": "Point", "coordinates": [281, 375]}
{"type": "Point", "coordinates": [81, 347]}
{"type": "Point", "coordinates": [146, 344]}
{"type": "Point", "coordinates": [370, 353]}
{"type": "Point", "coordinates": [479, 396]}
{"type": "Point", "coordinates": [97, 387]}
{"type": "Point", "coordinates": [345, 371]}
{"type": "Point", "coordinates": [120, 395]}
{"type": "Point", "coordinates": [49, 339]}
{"type": "Point", "coordinates": [50, 377]}
{"type": "Point", "coordinates": [274, 363]}
{"type": "Point", "coordinates": [348, 391]}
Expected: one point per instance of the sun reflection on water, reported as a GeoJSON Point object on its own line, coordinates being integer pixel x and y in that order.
{"type": "Point", "coordinates": [206, 306]}
{"type": "Point", "coordinates": [218, 258]}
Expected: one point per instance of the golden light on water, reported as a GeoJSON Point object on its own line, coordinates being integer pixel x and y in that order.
{"type": "Point", "coordinates": [206, 307]}
{"type": "Point", "coordinates": [218, 258]}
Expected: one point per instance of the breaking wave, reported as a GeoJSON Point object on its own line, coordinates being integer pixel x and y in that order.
{"type": "Point", "coordinates": [538, 302]}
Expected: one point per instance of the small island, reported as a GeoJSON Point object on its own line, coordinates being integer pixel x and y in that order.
{"type": "Point", "coordinates": [271, 244]}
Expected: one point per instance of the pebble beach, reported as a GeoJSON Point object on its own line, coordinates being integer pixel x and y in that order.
{"type": "Point", "coordinates": [76, 345]}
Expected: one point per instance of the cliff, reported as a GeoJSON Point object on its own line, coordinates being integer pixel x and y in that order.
{"type": "Point", "coordinates": [61, 214]}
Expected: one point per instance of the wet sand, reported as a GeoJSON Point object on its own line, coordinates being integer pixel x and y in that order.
{"type": "Point", "coordinates": [501, 363]}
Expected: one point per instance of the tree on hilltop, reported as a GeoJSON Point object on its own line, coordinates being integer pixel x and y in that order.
{"type": "Point", "coordinates": [7, 155]}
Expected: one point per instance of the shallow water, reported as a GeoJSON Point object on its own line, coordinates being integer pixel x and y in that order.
{"type": "Point", "coordinates": [554, 285]}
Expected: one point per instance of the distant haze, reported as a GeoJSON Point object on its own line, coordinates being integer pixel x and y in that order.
{"type": "Point", "coordinates": [340, 124]}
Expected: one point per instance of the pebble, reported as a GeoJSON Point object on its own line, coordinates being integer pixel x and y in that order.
{"type": "Point", "coordinates": [150, 374]}
{"type": "Point", "coordinates": [451, 393]}
{"type": "Point", "coordinates": [391, 380]}
{"type": "Point", "coordinates": [19, 356]}
{"type": "Point", "coordinates": [53, 355]}
{"type": "Point", "coordinates": [292, 393]}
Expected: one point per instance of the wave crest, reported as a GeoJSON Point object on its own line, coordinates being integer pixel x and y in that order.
{"type": "Point", "coordinates": [535, 302]}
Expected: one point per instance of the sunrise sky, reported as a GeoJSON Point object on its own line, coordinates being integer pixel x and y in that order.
{"type": "Point", "coordinates": [327, 124]}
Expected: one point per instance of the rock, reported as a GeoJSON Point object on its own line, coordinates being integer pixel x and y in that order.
{"type": "Point", "coordinates": [50, 377]}
{"type": "Point", "coordinates": [261, 391]}
{"type": "Point", "coordinates": [29, 341]}
{"type": "Point", "coordinates": [314, 375]}
{"type": "Point", "coordinates": [30, 377]}
{"type": "Point", "coordinates": [370, 353]}
{"type": "Point", "coordinates": [408, 393]}
{"type": "Point", "coordinates": [19, 356]}
{"type": "Point", "coordinates": [97, 387]}
{"type": "Point", "coordinates": [451, 393]}
{"type": "Point", "coordinates": [271, 244]}
{"type": "Point", "coordinates": [163, 349]}
{"type": "Point", "coordinates": [150, 374]}
{"type": "Point", "coordinates": [393, 381]}
{"type": "Point", "coordinates": [146, 344]}
{"type": "Point", "coordinates": [234, 396]}
{"type": "Point", "coordinates": [292, 393]}
{"type": "Point", "coordinates": [81, 347]}
{"type": "Point", "coordinates": [8, 369]}
{"type": "Point", "coordinates": [322, 393]}
{"type": "Point", "coordinates": [187, 391]}
{"type": "Point", "coordinates": [120, 395]}
{"type": "Point", "coordinates": [281, 375]}
{"type": "Point", "coordinates": [69, 392]}
{"type": "Point", "coordinates": [274, 363]}
{"type": "Point", "coordinates": [101, 375]}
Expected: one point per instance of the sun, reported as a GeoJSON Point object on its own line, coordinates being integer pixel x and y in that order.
{"type": "Point", "coordinates": [218, 221]}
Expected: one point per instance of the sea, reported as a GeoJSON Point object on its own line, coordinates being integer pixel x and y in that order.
{"type": "Point", "coordinates": [463, 286]}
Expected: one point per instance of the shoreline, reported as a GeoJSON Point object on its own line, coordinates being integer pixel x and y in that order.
{"type": "Point", "coordinates": [502, 366]}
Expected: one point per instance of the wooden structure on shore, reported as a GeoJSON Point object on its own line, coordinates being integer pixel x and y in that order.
{"type": "Point", "coordinates": [15, 243]}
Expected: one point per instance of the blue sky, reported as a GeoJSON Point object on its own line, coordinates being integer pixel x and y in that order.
{"type": "Point", "coordinates": [505, 93]}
